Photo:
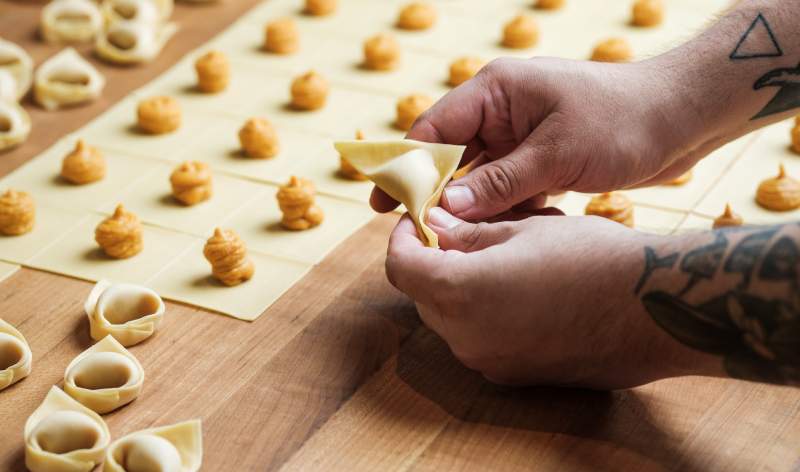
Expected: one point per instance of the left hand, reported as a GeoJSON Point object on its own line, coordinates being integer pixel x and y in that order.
{"type": "Point", "coordinates": [543, 300]}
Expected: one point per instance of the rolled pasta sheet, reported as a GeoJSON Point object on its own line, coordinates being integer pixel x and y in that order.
{"type": "Point", "coordinates": [145, 11]}
{"type": "Point", "coordinates": [174, 448]}
{"type": "Point", "coordinates": [15, 355]}
{"type": "Point", "coordinates": [130, 313]}
{"type": "Point", "coordinates": [70, 21]}
{"type": "Point", "coordinates": [19, 64]}
{"type": "Point", "coordinates": [67, 79]}
{"type": "Point", "coordinates": [62, 435]}
{"type": "Point", "coordinates": [133, 42]}
{"type": "Point", "coordinates": [15, 125]}
{"type": "Point", "coordinates": [104, 377]}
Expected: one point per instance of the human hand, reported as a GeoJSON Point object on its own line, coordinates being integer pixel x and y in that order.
{"type": "Point", "coordinates": [543, 300]}
{"type": "Point", "coordinates": [546, 125]}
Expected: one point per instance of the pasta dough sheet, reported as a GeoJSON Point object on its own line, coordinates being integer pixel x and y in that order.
{"type": "Point", "coordinates": [244, 189]}
{"type": "Point", "coordinates": [7, 270]}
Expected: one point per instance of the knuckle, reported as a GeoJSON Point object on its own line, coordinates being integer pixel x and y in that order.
{"type": "Point", "coordinates": [499, 182]}
{"type": "Point", "coordinates": [471, 234]}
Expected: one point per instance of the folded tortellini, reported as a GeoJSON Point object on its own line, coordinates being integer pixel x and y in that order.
{"type": "Point", "coordinates": [67, 79]}
{"type": "Point", "coordinates": [147, 11]}
{"type": "Point", "coordinates": [16, 359]}
{"type": "Point", "coordinates": [104, 377]}
{"type": "Point", "coordinates": [8, 86]}
{"type": "Point", "coordinates": [15, 124]}
{"type": "Point", "coordinates": [130, 313]}
{"type": "Point", "coordinates": [62, 435]}
{"type": "Point", "coordinates": [19, 64]}
{"type": "Point", "coordinates": [133, 42]}
{"type": "Point", "coordinates": [412, 172]}
{"type": "Point", "coordinates": [70, 21]}
{"type": "Point", "coordinates": [174, 448]}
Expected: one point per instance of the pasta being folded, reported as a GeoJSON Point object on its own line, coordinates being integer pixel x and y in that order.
{"type": "Point", "coordinates": [15, 124]}
{"type": "Point", "coordinates": [133, 42]}
{"type": "Point", "coordinates": [15, 355]}
{"type": "Point", "coordinates": [130, 313]}
{"type": "Point", "coordinates": [19, 64]}
{"type": "Point", "coordinates": [412, 172]}
{"type": "Point", "coordinates": [67, 79]}
{"type": "Point", "coordinates": [104, 377]}
{"type": "Point", "coordinates": [174, 448]}
{"type": "Point", "coordinates": [70, 21]}
{"type": "Point", "coordinates": [145, 11]}
{"type": "Point", "coordinates": [64, 436]}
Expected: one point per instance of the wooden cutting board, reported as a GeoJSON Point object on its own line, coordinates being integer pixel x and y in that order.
{"type": "Point", "coordinates": [339, 374]}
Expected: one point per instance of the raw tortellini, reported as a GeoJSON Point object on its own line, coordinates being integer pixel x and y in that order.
{"type": "Point", "coordinates": [67, 79]}
{"type": "Point", "coordinates": [148, 11]}
{"type": "Point", "coordinates": [63, 435]}
{"type": "Point", "coordinates": [174, 448]}
{"type": "Point", "coordinates": [15, 124]}
{"type": "Point", "coordinates": [15, 355]}
{"type": "Point", "coordinates": [19, 64]}
{"type": "Point", "coordinates": [133, 42]}
{"type": "Point", "coordinates": [70, 21]}
{"type": "Point", "coordinates": [412, 172]}
{"type": "Point", "coordinates": [130, 313]}
{"type": "Point", "coordinates": [104, 377]}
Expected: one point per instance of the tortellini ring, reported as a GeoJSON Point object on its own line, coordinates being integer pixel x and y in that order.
{"type": "Point", "coordinates": [67, 79]}
{"type": "Point", "coordinates": [144, 11]}
{"type": "Point", "coordinates": [174, 448]}
{"type": "Point", "coordinates": [15, 355]}
{"type": "Point", "coordinates": [70, 21]}
{"type": "Point", "coordinates": [133, 42]}
{"type": "Point", "coordinates": [19, 64]}
{"type": "Point", "coordinates": [130, 313]}
{"type": "Point", "coordinates": [104, 377]}
{"type": "Point", "coordinates": [63, 435]}
{"type": "Point", "coordinates": [15, 124]}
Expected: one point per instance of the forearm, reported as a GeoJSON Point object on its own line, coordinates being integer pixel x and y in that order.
{"type": "Point", "coordinates": [740, 74]}
{"type": "Point", "coordinates": [731, 294]}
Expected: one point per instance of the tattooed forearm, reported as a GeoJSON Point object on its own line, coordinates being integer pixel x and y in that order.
{"type": "Point", "coordinates": [752, 321]}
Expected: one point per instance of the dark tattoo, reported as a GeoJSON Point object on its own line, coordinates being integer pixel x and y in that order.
{"type": "Point", "coordinates": [703, 262]}
{"type": "Point", "coordinates": [749, 45]}
{"type": "Point", "coordinates": [757, 336]}
{"type": "Point", "coordinates": [745, 255]}
{"type": "Point", "coordinates": [653, 262]}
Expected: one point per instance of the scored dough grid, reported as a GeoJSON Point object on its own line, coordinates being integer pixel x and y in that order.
{"type": "Point", "coordinates": [244, 189]}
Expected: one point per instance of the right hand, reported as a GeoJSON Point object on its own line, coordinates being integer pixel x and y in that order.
{"type": "Point", "coordinates": [547, 125]}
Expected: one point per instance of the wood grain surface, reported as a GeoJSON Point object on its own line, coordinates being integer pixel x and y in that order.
{"type": "Point", "coordinates": [339, 374]}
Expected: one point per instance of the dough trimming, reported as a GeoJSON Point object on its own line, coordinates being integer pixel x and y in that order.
{"type": "Point", "coordinates": [159, 115]}
{"type": "Point", "coordinates": [309, 91]}
{"type": "Point", "coordinates": [120, 235]}
{"type": "Point", "coordinates": [409, 108]}
{"type": "Point", "coordinates": [227, 254]}
{"type": "Point", "coordinates": [62, 435]}
{"type": "Point", "coordinates": [17, 213]}
{"type": "Point", "coordinates": [177, 447]}
{"type": "Point", "coordinates": [613, 206]}
{"type": "Point", "coordinates": [130, 313]}
{"type": "Point", "coordinates": [104, 377]}
{"type": "Point", "coordinates": [259, 139]}
{"type": "Point", "coordinates": [191, 182]}
{"type": "Point", "coordinates": [83, 165]}
{"type": "Point", "coordinates": [16, 359]}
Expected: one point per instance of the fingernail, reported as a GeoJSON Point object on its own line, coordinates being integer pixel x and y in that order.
{"type": "Point", "coordinates": [458, 198]}
{"type": "Point", "coordinates": [440, 218]}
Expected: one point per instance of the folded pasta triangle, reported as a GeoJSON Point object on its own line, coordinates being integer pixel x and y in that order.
{"type": "Point", "coordinates": [177, 447]}
{"type": "Point", "coordinates": [15, 355]}
{"type": "Point", "coordinates": [412, 172]}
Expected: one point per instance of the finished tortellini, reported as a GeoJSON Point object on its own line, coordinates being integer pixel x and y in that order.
{"type": "Point", "coordinates": [62, 435]}
{"type": "Point", "coordinates": [19, 64]}
{"type": "Point", "coordinates": [67, 79]}
{"type": "Point", "coordinates": [174, 448]}
{"type": "Point", "coordinates": [412, 172]}
{"type": "Point", "coordinates": [147, 11]}
{"type": "Point", "coordinates": [104, 377]}
{"type": "Point", "coordinates": [130, 313]}
{"type": "Point", "coordinates": [15, 355]}
{"type": "Point", "coordinates": [15, 124]}
{"type": "Point", "coordinates": [133, 42]}
{"type": "Point", "coordinates": [70, 21]}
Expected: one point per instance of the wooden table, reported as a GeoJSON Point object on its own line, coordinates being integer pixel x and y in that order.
{"type": "Point", "coordinates": [340, 374]}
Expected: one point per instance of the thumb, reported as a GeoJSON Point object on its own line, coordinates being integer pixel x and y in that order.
{"type": "Point", "coordinates": [498, 185]}
{"type": "Point", "coordinates": [461, 236]}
